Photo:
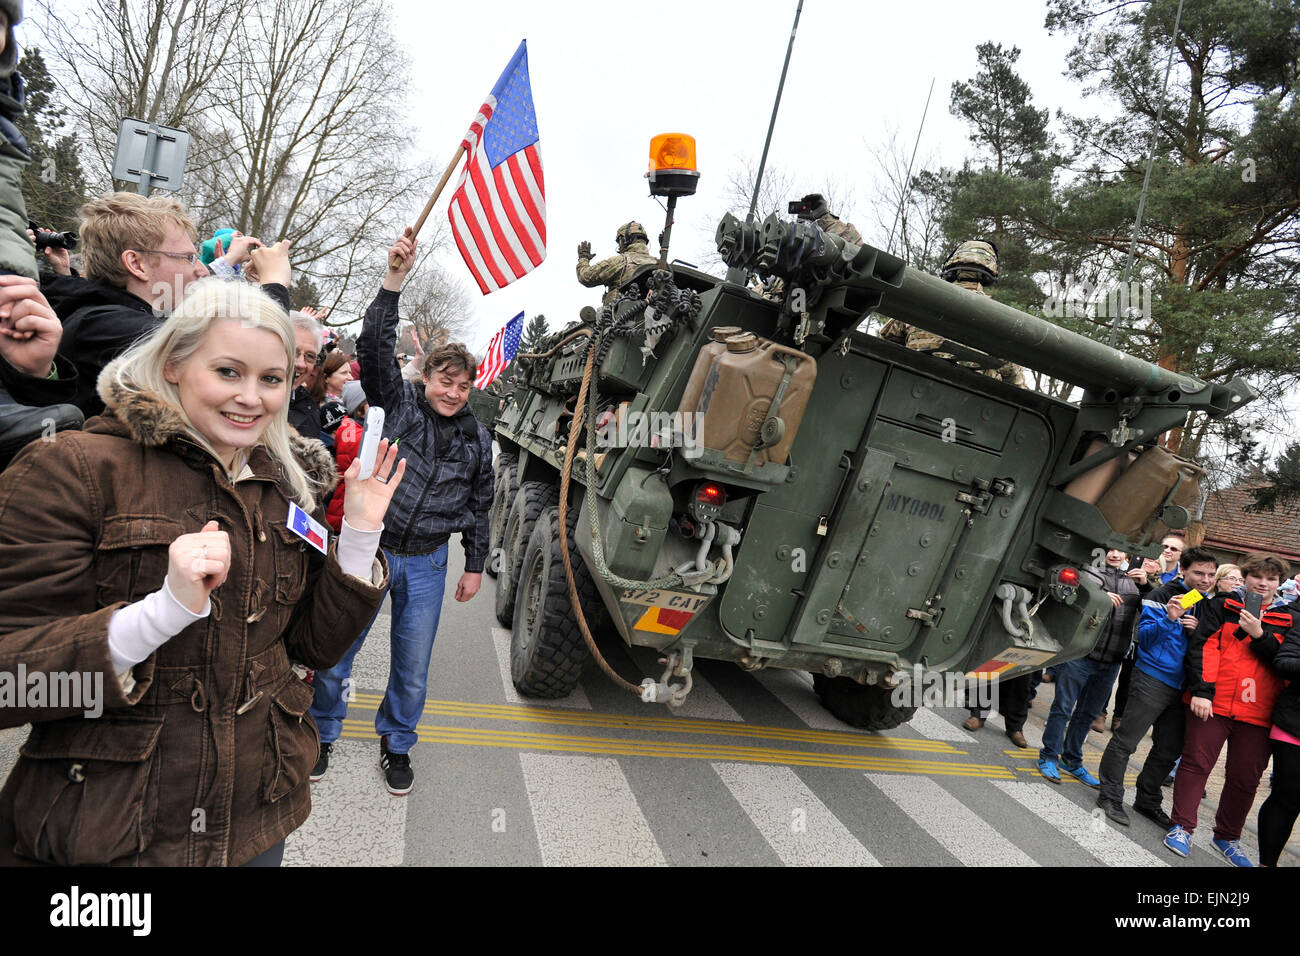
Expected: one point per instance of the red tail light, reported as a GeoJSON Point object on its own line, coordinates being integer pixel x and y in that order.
{"type": "Point", "coordinates": [1068, 576]}
{"type": "Point", "coordinates": [711, 493]}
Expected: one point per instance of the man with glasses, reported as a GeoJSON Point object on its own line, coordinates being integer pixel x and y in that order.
{"type": "Point", "coordinates": [138, 256]}
{"type": "Point", "coordinates": [304, 414]}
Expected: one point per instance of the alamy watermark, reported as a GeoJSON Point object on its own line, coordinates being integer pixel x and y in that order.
{"type": "Point", "coordinates": [922, 688]}
{"type": "Point", "coordinates": [58, 690]}
{"type": "Point", "coordinates": [1075, 299]}
{"type": "Point", "coordinates": [653, 430]}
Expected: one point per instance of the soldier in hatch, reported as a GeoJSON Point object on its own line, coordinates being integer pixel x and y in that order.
{"type": "Point", "coordinates": [813, 208]}
{"type": "Point", "coordinates": [633, 254]}
{"type": "Point", "coordinates": [972, 265]}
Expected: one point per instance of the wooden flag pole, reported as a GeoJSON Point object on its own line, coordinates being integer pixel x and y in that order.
{"type": "Point", "coordinates": [428, 207]}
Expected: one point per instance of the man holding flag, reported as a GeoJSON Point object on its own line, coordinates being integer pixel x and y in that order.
{"type": "Point", "coordinates": [498, 218]}
{"type": "Point", "coordinates": [449, 489]}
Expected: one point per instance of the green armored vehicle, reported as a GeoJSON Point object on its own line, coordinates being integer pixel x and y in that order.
{"type": "Point", "coordinates": [754, 480]}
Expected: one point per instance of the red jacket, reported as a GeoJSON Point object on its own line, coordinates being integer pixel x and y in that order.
{"type": "Point", "coordinates": [1232, 669]}
{"type": "Point", "coordinates": [347, 442]}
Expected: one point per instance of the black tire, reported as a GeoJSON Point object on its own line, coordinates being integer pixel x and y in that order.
{"type": "Point", "coordinates": [505, 459]}
{"type": "Point", "coordinates": [547, 650]}
{"type": "Point", "coordinates": [504, 486]}
{"type": "Point", "coordinates": [530, 501]}
{"type": "Point", "coordinates": [865, 706]}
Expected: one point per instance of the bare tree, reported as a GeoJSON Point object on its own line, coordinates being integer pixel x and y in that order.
{"type": "Point", "coordinates": [294, 108]}
{"type": "Point", "coordinates": [437, 305]}
{"type": "Point", "coordinates": [779, 186]}
{"type": "Point", "coordinates": [156, 61]}
{"type": "Point", "coordinates": [905, 212]}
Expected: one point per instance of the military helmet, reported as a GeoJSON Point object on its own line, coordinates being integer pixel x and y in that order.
{"type": "Point", "coordinates": [975, 259]}
{"type": "Point", "coordinates": [629, 233]}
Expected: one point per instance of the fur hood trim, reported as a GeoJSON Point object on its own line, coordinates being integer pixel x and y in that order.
{"type": "Point", "coordinates": [150, 421]}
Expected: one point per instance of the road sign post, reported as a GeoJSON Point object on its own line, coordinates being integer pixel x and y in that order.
{"type": "Point", "coordinates": [150, 155]}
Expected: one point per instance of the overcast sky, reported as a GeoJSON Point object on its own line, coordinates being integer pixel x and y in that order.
{"type": "Point", "coordinates": [606, 77]}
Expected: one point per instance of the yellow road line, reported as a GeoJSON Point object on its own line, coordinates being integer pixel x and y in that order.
{"type": "Point", "coordinates": [681, 725]}
{"type": "Point", "coordinates": [520, 740]}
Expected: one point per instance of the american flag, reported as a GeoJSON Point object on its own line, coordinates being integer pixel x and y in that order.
{"type": "Point", "coordinates": [498, 212]}
{"type": "Point", "coordinates": [501, 350]}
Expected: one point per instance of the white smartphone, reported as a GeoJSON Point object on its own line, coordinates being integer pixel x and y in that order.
{"type": "Point", "coordinates": [370, 441]}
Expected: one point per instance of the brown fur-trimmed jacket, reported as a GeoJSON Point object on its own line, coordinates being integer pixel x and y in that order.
{"type": "Point", "coordinates": [205, 760]}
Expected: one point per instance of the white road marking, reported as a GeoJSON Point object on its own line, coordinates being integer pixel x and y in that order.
{"type": "Point", "coordinates": [354, 820]}
{"type": "Point", "coordinates": [577, 699]}
{"type": "Point", "coordinates": [929, 724]}
{"type": "Point", "coordinates": [936, 811]}
{"type": "Point", "coordinates": [796, 825]}
{"type": "Point", "coordinates": [702, 703]}
{"type": "Point", "coordinates": [1092, 831]}
{"type": "Point", "coordinates": [585, 813]}
{"type": "Point", "coordinates": [794, 689]}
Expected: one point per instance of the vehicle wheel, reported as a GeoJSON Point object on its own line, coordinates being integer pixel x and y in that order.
{"type": "Point", "coordinates": [530, 501]}
{"type": "Point", "coordinates": [504, 487]}
{"type": "Point", "coordinates": [503, 460]}
{"type": "Point", "coordinates": [867, 706]}
{"type": "Point", "coordinates": [547, 651]}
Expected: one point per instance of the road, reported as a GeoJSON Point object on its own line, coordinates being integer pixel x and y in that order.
{"type": "Point", "coordinates": [752, 771]}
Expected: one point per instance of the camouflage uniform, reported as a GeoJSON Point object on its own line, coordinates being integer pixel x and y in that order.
{"type": "Point", "coordinates": [838, 227]}
{"type": "Point", "coordinates": [828, 223]}
{"type": "Point", "coordinates": [923, 341]}
{"type": "Point", "coordinates": [619, 268]}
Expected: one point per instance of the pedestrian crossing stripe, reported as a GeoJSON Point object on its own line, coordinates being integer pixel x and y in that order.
{"type": "Point", "coordinates": [614, 746]}
{"type": "Point", "coordinates": [677, 725]}
{"type": "Point", "coordinates": [660, 620]}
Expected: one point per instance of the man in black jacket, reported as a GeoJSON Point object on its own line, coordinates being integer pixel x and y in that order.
{"type": "Point", "coordinates": [447, 488]}
{"type": "Point", "coordinates": [1083, 686]}
{"type": "Point", "coordinates": [138, 256]}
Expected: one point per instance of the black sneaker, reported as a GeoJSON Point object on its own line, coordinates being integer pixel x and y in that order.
{"type": "Point", "coordinates": [1156, 815]}
{"type": "Point", "coordinates": [322, 762]}
{"type": "Point", "coordinates": [1113, 810]}
{"type": "Point", "coordinates": [397, 770]}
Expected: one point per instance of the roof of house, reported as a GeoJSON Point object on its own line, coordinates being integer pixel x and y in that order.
{"type": "Point", "coordinates": [1229, 525]}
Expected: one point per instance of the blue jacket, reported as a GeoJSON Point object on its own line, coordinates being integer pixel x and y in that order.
{"type": "Point", "coordinates": [448, 482]}
{"type": "Point", "coordinates": [1162, 643]}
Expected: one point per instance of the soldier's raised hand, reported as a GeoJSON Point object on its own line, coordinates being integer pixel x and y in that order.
{"type": "Point", "coordinates": [584, 249]}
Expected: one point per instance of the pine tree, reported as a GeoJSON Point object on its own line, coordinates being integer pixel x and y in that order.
{"type": "Point", "coordinates": [53, 183]}
{"type": "Point", "coordinates": [534, 332]}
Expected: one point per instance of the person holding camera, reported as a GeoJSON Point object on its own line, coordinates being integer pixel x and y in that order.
{"type": "Point", "coordinates": [1232, 688]}
{"type": "Point", "coordinates": [138, 256]}
{"type": "Point", "coordinates": [168, 552]}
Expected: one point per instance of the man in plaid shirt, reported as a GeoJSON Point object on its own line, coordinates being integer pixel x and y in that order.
{"type": "Point", "coordinates": [447, 488]}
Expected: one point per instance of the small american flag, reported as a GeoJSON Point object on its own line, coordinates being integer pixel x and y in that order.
{"type": "Point", "coordinates": [498, 212]}
{"type": "Point", "coordinates": [501, 350]}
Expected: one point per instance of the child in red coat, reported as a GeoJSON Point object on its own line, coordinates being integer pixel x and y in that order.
{"type": "Point", "coordinates": [347, 443]}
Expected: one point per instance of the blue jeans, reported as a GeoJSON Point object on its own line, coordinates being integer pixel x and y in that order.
{"type": "Point", "coordinates": [415, 585]}
{"type": "Point", "coordinates": [1082, 689]}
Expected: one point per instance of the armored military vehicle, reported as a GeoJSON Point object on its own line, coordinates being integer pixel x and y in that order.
{"type": "Point", "coordinates": [715, 474]}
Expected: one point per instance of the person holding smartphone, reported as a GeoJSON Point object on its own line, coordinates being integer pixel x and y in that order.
{"type": "Point", "coordinates": [1232, 689]}
{"type": "Point", "coordinates": [166, 560]}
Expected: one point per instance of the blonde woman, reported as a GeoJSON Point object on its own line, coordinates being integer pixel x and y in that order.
{"type": "Point", "coordinates": [1227, 578]}
{"type": "Point", "coordinates": [154, 558]}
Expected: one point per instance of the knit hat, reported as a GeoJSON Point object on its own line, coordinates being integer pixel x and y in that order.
{"type": "Point", "coordinates": [331, 414]}
{"type": "Point", "coordinates": [354, 396]}
{"type": "Point", "coordinates": [208, 251]}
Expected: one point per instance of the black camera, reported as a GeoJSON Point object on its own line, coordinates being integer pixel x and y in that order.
{"type": "Point", "coordinates": [59, 240]}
